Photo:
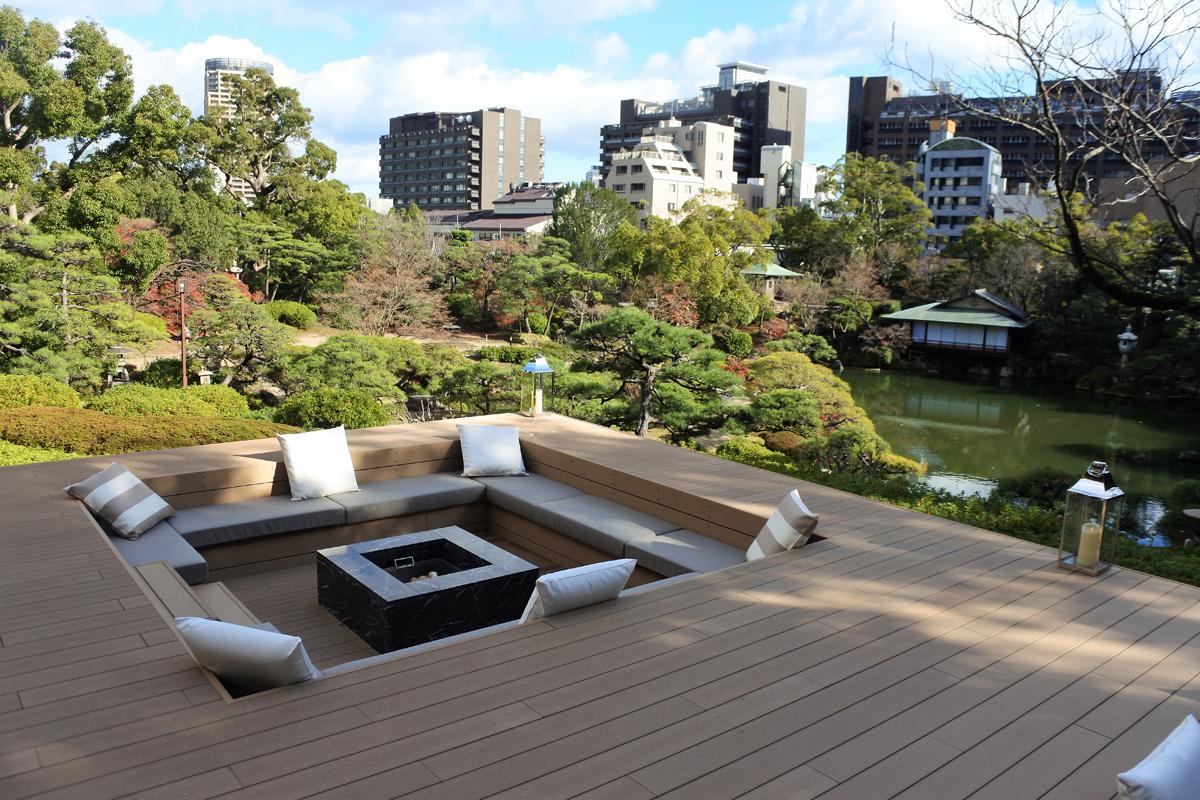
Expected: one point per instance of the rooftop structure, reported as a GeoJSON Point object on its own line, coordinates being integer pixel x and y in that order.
{"type": "Point", "coordinates": [760, 111]}
{"type": "Point", "coordinates": [461, 160]}
{"type": "Point", "coordinates": [899, 655]}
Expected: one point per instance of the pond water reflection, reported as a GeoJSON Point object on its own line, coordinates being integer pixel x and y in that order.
{"type": "Point", "coordinates": [972, 435]}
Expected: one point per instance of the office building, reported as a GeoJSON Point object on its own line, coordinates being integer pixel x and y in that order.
{"type": "Point", "coordinates": [218, 101]}
{"type": "Point", "coordinates": [884, 123]}
{"type": "Point", "coordinates": [672, 164]}
{"type": "Point", "coordinates": [759, 110]}
{"type": "Point", "coordinates": [439, 160]}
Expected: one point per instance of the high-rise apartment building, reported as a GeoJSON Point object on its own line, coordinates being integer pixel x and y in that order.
{"type": "Point", "coordinates": [218, 99]}
{"type": "Point", "coordinates": [760, 112]}
{"type": "Point", "coordinates": [884, 123]}
{"type": "Point", "coordinates": [440, 160]}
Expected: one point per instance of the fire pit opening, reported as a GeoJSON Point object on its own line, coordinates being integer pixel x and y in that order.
{"type": "Point", "coordinates": [423, 560]}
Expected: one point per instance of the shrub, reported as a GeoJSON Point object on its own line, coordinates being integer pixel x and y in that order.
{"type": "Point", "coordinates": [163, 373]}
{"type": "Point", "coordinates": [738, 344]}
{"type": "Point", "coordinates": [17, 391]}
{"type": "Point", "coordinates": [815, 347]}
{"type": "Point", "coordinates": [506, 353]}
{"type": "Point", "coordinates": [89, 432]}
{"type": "Point", "coordinates": [289, 312]}
{"type": "Point", "coordinates": [329, 407]}
{"type": "Point", "coordinates": [139, 400]}
{"type": "Point", "coordinates": [786, 410]}
{"type": "Point", "coordinates": [13, 454]}
{"type": "Point", "coordinates": [538, 322]}
{"type": "Point", "coordinates": [226, 400]}
{"type": "Point", "coordinates": [1043, 487]}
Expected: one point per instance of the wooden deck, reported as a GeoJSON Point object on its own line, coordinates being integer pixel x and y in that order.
{"type": "Point", "coordinates": [903, 656]}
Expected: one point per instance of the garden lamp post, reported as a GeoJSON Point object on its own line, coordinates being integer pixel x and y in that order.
{"type": "Point", "coordinates": [1091, 522]}
{"type": "Point", "coordinates": [538, 368]}
{"type": "Point", "coordinates": [181, 286]}
{"type": "Point", "coordinates": [1127, 342]}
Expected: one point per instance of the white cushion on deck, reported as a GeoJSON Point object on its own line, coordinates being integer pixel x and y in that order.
{"type": "Point", "coordinates": [490, 450]}
{"type": "Point", "coordinates": [251, 658]}
{"type": "Point", "coordinates": [318, 463]}
{"type": "Point", "coordinates": [574, 588]}
{"type": "Point", "coordinates": [1170, 772]}
{"type": "Point", "coordinates": [789, 525]}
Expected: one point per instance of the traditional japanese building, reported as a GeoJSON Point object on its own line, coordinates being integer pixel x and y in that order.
{"type": "Point", "coordinates": [977, 322]}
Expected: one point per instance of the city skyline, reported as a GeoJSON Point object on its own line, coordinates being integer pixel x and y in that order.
{"type": "Point", "coordinates": [571, 67]}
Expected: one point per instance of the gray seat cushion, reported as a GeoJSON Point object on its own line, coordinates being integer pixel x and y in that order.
{"type": "Point", "coordinates": [163, 543]}
{"type": "Point", "coordinates": [521, 494]}
{"type": "Point", "coordinates": [401, 496]}
{"type": "Point", "coordinates": [602, 524]}
{"type": "Point", "coordinates": [682, 551]}
{"type": "Point", "coordinates": [250, 519]}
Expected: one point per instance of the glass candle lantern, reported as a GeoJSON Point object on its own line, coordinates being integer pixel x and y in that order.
{"type": "Point", "coordinates": [1091, 522]}
{"type": "Point", "coordinates": [537, 369]}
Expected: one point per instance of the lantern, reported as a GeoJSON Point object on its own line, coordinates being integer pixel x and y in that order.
{"type": "Point", "coordinates": [538, 369]}
{"type": "Point", "coordinates": [1091, 522]}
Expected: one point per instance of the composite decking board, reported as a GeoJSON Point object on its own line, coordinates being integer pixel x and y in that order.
{"type": "Point", "coordinates": [928, 635]}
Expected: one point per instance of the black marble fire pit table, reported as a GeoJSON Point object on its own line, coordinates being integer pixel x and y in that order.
{"type": "Point", "coordinates": [370, 587]}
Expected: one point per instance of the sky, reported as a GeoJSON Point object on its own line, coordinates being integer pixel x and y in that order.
{"type": "Point", "coordinates": [569, 62]}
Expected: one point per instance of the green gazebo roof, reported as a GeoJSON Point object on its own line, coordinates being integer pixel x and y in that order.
{"type": "Point", "coordinates": [770, 271]}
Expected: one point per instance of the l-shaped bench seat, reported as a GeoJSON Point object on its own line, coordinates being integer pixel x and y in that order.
{"type": "Point", "coordinates": [606, 526]}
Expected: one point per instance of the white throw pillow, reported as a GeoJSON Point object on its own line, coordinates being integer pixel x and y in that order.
{"type": "Point", "coordinates": [574, 588]}
{"type": "Point", "coordinates": [1170, 772]}
{"type": "Point", "coordinates": [318, 463]}
{"type": "Point", "coordinates": [490, 450]}
{"type": "Point", "coordinates": [252, 658]}
{"type": "Point", "coordinates": [790, 524]}
{"type": "Point", "coordinates": [117, 496]}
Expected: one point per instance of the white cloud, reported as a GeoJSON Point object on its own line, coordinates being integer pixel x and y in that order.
{"type": "Point", "coordinates": [609, 52]}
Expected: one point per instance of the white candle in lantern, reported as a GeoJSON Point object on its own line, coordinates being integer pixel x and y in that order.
{"type": "Point", "coordinates": [1089, 544]}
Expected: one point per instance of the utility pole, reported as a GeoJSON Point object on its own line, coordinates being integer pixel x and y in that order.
{"type": "Point", "coordinates": [181, 286]}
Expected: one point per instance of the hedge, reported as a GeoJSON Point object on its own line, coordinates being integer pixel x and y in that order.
{"type": "Point", "coordinates": [289, 312]}
{"type": "Point", "coordinates": [227, 401]}
{"type": "Point", "coordinates": [139, 400]}
{"type": "Point", "coordinates": [86, 431]}
{"type": "Point", "coordinates": [17, 391]}
{"type": "Point", "coordinates": [13, 454]}
{"type": "Point", "coordinates": [328, 407]}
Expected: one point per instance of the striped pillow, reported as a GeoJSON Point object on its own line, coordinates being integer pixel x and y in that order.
{"type": "Point", "coordinates": [116, 496]}
{"type": "Point", "coordinates": [789, 525]}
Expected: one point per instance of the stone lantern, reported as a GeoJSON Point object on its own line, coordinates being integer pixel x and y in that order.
{"type": "Point", "coordinates": [1091, 522]}
{"type": "Point", "coordinates": [1127, 342]}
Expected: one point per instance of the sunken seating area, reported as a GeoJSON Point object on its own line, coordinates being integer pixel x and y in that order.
{"type": "Point", "coordinates": [564, 522]}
